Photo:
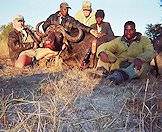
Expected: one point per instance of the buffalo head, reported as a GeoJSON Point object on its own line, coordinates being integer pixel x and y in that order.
{"type": "Point", "coordinates": [55, 34]}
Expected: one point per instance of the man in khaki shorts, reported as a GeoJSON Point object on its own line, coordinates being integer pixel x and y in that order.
{"type": "Point", "coordinates": [23, 46]}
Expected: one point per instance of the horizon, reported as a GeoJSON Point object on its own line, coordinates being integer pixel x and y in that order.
{"type": "Point", "coordinates": [116, 12]}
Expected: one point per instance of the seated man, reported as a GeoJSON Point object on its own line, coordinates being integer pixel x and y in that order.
{"type": "Point", "coordinates": [23, 44]}
{"type": "Point", "coordinates": [63, 18]}
{"type": "Point", "coordinates": [104, 28]}
{"type": "Point", "coordinates": [129, 54]}
{"type": "Point", "coordinates": [86, 15]}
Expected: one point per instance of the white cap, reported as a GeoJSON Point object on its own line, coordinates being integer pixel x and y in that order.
{"type": "Point", "coordinates": [18, 18]}
{"type": "Point", "coordinates": [87, 5]}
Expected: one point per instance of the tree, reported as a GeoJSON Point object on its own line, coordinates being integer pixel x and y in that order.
{"type": "Point", "coordinates": [153, 31]}
{"type": "Point", "coordinates": [4, 30]}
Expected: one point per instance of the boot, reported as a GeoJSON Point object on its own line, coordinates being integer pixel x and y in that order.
{"type": "Point", "coordinates": [34, 62]}
{"type": "Point", "coordinates": [118, 76]}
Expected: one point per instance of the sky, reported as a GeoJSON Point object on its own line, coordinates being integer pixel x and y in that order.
{"type": "Point", "coordinates": [117, 12]}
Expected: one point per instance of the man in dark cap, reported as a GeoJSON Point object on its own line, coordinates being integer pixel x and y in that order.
{"type": "Point", "coordinates": [68, 22]}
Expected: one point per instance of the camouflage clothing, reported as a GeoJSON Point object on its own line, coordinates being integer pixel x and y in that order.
{"type": "Point", "coordinates": [18, 42]}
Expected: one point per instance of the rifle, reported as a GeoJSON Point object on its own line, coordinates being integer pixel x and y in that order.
{"type": "Point", "coordinates": [33, 36]}
{"type": "Point", "coordinates": [86, 59]}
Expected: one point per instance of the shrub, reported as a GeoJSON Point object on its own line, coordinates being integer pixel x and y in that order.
{"type": "Point", "coordinates": [4, 31]}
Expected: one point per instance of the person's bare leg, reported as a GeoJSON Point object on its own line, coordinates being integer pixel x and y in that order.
{"type": "Point", "coordinates": [22, 61]}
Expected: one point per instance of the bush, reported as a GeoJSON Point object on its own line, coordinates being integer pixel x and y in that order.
{"type": "Point", "coordinates": [153, 31]}
{"type": "Point", "coordinates": [4, 31]}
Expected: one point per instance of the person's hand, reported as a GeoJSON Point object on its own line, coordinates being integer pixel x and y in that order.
{"type": "Point", "coordinates": [41, 45]}
{"type": "Point", "coordinates": [138, 63]}
{"type": "Point", "coordinates": [64, 46]}
{"type": "Point", "coordinates": [94, 33]}
{"type": "Point", "coordinates": [104, 57]}
{"type": "Point", "coordinates": [35, 46]}
{"type": "Point", "coordinates": [101, 34]}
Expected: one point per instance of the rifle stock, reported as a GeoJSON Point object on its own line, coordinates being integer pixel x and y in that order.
{"type": "Point", "coordinates": [31, 33]}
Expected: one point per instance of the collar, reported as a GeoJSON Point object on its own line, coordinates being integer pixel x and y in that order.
{"type": "Point", "coordinates": [59, 15]}
{"type": "Point", "coordinates": [100, 24]}
{"type": "Point", "coordinates": [136, 38]}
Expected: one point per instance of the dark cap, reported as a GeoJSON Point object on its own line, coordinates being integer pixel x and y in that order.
{"type": "Point", "coordinates": [65, 5]}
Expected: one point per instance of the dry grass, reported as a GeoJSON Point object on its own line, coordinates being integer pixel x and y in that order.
{"type": "Point", "coordinates": [4, 51]}
{"type": "Point", "coordinates": [70, 101]}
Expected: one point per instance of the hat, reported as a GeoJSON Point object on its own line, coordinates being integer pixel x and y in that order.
{"type": "Point", "coordinates": [65, 4]}
{"type": "Point", "coordinates": [18, 18]}
{"type": "Point", "coordinates": [86, 5]}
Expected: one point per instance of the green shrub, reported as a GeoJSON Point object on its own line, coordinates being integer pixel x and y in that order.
{"type": "Point", "coordinates": [4, 31]}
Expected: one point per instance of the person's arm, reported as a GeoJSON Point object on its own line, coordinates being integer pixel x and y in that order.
{"type": "Point", "coordinates": [106, 51]}
{"type": "Point", "coordinates": [110, 32]}
{"type": "Point", "coordinates": [148, 49]}
{"type": "Point", "coordinates": [16, 44]}
{"type": "Point", "coordinates": [107, 47]}
{"type": "Point", "coordinates": [48, 22]}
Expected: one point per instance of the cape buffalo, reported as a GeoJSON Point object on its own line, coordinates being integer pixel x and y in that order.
{"type": "Point", "coordinates": [79, 45]}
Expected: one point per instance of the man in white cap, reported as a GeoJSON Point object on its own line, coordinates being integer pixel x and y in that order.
{"type": "Point", "coordinates": [22, 43]}
{"type": "Point", "coordinates": [68, 22]}
{"type": "Point", "coordinates": [86, 15]}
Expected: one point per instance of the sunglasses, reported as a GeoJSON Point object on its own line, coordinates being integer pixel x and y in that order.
{"type": "Point", "coordinates": [20, 20]}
